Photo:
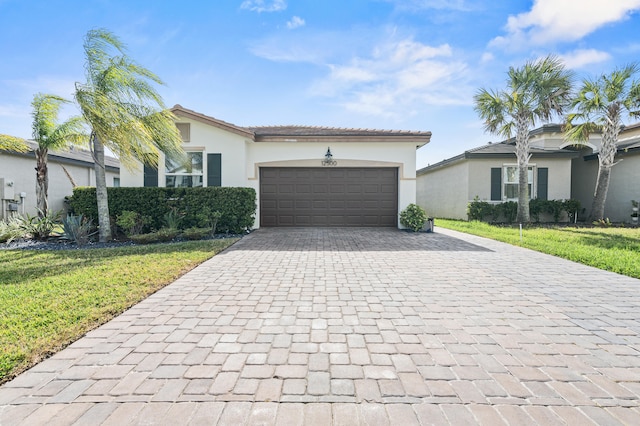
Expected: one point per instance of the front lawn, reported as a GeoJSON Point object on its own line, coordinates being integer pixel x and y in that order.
{"type": "Point", "coordinates": [49, 299]}
{"type": "Point", "coordinates": [611, 249]}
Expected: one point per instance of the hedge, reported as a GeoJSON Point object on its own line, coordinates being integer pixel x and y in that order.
{"type": "Point", "coordinates": [507, 211]}
{"type": "Point", "coordinates": [237, 205]}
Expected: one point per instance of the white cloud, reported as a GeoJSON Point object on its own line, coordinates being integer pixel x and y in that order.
{"type": "Point", "coordinates": [264, 6]}
{"type": "Point", "coordinates": [562, 20]}
{"type": "Point", "coordinates": [581, 57]}
{"type": "Point", "coordinates": [295, 22]}
{"type": "Point", "coordinates": [397, 79]}
{"type": "Point", "coordinates": [487, 57]}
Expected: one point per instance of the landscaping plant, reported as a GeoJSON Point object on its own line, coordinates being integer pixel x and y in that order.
{"type": "Point", "coordinates": [77, 229]}
{"type": "Point", "coordinates": [413, 217]}
{"type": "Point", "coordinates": [41, 226]}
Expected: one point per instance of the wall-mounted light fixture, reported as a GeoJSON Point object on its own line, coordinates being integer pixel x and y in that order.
{"type": "Point", "coordinates": [328, 159]}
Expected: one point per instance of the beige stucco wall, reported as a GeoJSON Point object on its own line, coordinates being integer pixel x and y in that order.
{"type": "Point", "coordinates": [208, 140]}
{"type": "Point", "coordinates": [624, 186]}
{"type": "Point", "coordinates": [443, 192]}
{"type": "Point", "coordinates": [21, 170]}
{"type": "Point", "coordinates": [446, 191]}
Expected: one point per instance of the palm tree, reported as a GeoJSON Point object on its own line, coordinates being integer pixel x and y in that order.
{"type": "Point", "coordinates": [12, 143]}
{"type": "Point", "coordinates": [535, 92]}
{"type": "Point", "coordinates": [125, 112]}
{"type": "Point", "coordinates": [49, 135]}
{"type": "Point", "coordinates": [600, 105]}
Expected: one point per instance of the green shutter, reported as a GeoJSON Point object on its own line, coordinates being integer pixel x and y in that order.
{"type": "Point", "coordinates": [496, 184]}
{"type": "Point", "coordinates": [214, 169]}
{"type": "Point", "coordinates": [543, 183]}
{"type": "Point", "coordinates": [150, 176]}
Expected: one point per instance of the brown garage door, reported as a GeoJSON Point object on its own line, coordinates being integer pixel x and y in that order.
{"type": "Point", "coordinates": [328, 196]}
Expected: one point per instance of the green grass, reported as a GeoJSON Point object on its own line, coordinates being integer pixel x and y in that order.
{"type": "Point", "coordinates": [49, 299]}
{"type": "Point", "coordinates": [612, 249]}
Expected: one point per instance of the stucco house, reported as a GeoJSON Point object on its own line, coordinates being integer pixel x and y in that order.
{"type": "Point", "coordinates": [303, 176]}
{"type": "Point", "coordinates": [66, 169]}
{"type": "Point", "coordinates": [557, 170]}
{"type": "Point", "coordinates": [624, 184]}
{"type": "Point", "coordinates": [490, 173]}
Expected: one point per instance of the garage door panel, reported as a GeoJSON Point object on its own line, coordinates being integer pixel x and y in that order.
{"type": "Point", "coordinates": [303, 188]}
{"type": "Point", "coordinates": [328, 196]}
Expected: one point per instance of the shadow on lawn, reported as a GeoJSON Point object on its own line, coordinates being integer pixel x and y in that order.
{"type": "Point", "coordinates": [605, 240]}
{"type": "Point", "coordinates": [21, 265]}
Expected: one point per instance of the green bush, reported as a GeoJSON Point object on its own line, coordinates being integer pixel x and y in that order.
{"type": "Point", "coordinates": [196, 233]}
{"type": "Point", "coordinates": [572, 207]}
{"type": "Point", "coordinates": [413, 217]}
{"type": "Point", "coordinates": [236, 206]}
{"type": "Point", "coordinates": [536, 208]}
{"type": "Point", "coordinates": [555, 209]}
{"type": "Point", "coordinates": [480, 210]}
{"type": "Point", "coordinates": [507, 211]}
{"type": "Point", "coordinates": [132, 223]}
{"type": "Point", "coordinates": [162, 235]}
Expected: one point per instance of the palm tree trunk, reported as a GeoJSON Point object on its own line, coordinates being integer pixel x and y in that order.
{"type": "Point", "coordinates": [104, 222]}
{"type": "Point", "coordinates": [42, 182]}
{"type": "Point", "coordinates": [606, 160]}
{"type": "Point", "coordinates": [522, 153]}
{"type": "Point", "coordinates": [600, 195]}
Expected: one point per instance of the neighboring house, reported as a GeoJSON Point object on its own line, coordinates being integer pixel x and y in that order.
{"type": "Point", "coordinates": [370, 177]}
{"type": "Point", "coordinates": [18, 178]}
{"type": "Point", "coordinates": [558, 171]}
{"type": "Point", "coordinates": [624, 184]}
{"type": "Point", "coordinates": [490, 173]}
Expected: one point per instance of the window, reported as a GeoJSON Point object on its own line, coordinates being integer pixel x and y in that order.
{"type": "Point", "coordinates": [185, 131]}
{"type": "Point", "coordinates": [510, 182]}
{"type": "Point", "coordinates": [116, 182]}
{"type": "Point", "coordinates": [185, 174]}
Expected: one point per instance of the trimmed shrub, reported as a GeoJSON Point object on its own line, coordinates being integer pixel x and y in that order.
{"type": "Point", "coordinates": [236, 206]}
{"type": "Point", "coordinates": [413, 217]}
{"type": "Point", "coordinates": [196, 233]}
{"type": "Point", "coordinates": [507, 211]}
{"type": "Point", "coordinates": [162, 235]}
{"type": "Point", "coordinates": [480, 210]}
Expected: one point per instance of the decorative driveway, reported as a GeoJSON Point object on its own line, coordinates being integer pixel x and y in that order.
{"type": "Point", "coordinates": [355, 326]}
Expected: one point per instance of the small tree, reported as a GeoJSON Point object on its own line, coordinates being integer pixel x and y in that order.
{"type": "Point", "coordinates": [600, 105]}
{"type": "Point", "coordinates": [535, 92]}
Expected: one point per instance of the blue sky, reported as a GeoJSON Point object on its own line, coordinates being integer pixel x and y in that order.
{"type": "Point", "coordinates": [384, 64]}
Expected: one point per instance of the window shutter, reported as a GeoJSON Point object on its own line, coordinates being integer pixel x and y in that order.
{"type": "Point", "coordinates": [150, 176]}
{"type": "Point", "coordinates": [543, 183]}
{"type": "Point", "coordinates": [214, 169]}
{"type": "Point", "coordinates": [496, 184]}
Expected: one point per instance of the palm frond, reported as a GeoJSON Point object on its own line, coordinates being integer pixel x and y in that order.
{"type": "Point", "coordinates": [13, 144]}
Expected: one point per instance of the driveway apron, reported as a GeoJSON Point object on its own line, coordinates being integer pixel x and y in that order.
{"type": "Point", "coordinates": [355, 326]}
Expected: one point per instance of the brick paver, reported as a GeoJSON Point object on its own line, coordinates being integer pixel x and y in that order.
{"type": "Point", "coordinates": [355, 326]}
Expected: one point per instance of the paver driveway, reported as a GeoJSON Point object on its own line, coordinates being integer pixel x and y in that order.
{"type": "Point", "coordinates": [355, 326]}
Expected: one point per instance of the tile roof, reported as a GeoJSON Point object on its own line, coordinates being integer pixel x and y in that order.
{"type": "Point", "coordinates": [73, 156]}
{"type": "Point", "coordinates": [329, 131]}
{"type": "Point", "coordinates": [262, 133]}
